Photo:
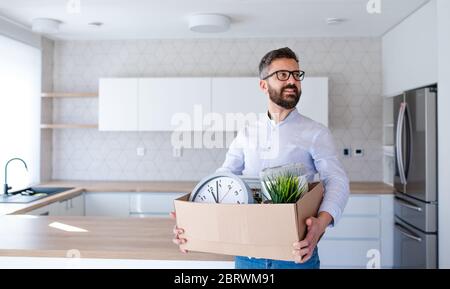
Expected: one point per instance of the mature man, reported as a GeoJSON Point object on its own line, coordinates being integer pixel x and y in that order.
{"type": "Point", "coordinates": [290, 138]}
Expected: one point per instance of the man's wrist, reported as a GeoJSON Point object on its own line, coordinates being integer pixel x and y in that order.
{"type": "Point", "coordinates": [325, 219]}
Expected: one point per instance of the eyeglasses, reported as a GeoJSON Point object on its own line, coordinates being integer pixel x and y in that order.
{"type": "Point", "coordinates": [284, 75]}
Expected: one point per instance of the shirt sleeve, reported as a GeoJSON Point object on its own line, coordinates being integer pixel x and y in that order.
{"type": "Point", "coordinates": [332, 175]}
{"type": "Point", "coordinates": [234, 159]}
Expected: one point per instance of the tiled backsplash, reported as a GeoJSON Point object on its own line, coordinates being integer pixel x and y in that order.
{"type": "Point", "coordinates": [353, 66]}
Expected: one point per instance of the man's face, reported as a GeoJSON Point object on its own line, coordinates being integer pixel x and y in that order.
{"type": "Point", "coordinates": [284, 93]}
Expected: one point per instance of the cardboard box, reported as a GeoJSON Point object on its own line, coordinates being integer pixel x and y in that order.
{"type": "Point", "coordinates": [254, 230]}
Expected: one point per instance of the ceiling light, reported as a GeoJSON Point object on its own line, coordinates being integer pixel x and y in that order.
{"type": "Point", "coordinates": [209, 23]}
{"type": "Point", "coordinates": [45, 25]}
{"type": "Point", "coordinates": [333, 21]}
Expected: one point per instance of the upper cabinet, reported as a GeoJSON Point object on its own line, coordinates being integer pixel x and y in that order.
{"type": "Point", "coordinates": [195, 104]}
{"type": "Point", "coordinates": [166, 104]}
{"type": "Point", "coordinates": [410, 52]}
{"type": "Point", "coordinates": [236, 98]}
{"type": "Point", "coordinates": [118, 103]}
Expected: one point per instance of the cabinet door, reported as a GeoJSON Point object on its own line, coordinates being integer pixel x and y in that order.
{"type": "Point", "coordinates": [107, 204]}
{"type": "Point", "coordinates": [48, 210]}
{"type": "Point", "coordinates": [72, 207]}
{"type": "Point", "coordinates": [118, 103]}
{"type": "Point", "coordinates": [147, 204]}
{"type": "Point", "coordinates": [314, 99]}
{"type": "Point", "coordinates": [240, 95]}
{"type": "Point", "coordinates": [166, 104]}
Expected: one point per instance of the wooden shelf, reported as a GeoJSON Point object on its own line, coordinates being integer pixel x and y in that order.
{"type": "Point", "coordinates": [68, 94]}
{"type": "Point", "coordinates": [55, 126]}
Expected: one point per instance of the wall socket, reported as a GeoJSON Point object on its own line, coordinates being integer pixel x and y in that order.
{"type": "Point", "coordinates": [177, 152]}
{"type": "Point", "coordinates": [347, 152]}
{"type": "Point", "coordinates": [358, 152]}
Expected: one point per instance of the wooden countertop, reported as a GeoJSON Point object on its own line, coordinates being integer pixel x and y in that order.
{"type": "Point", "coordinates": [108, 238]}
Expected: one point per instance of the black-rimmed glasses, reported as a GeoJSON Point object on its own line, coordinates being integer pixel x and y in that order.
{"type": "Point", "coordinates": [284, 75]}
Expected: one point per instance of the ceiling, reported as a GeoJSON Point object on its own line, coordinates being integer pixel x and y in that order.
{"type": "Point", "coordinates": [147, 19]}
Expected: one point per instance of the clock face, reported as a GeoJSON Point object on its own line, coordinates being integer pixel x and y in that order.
{"type": "Point", "coordinates": [222, 189]}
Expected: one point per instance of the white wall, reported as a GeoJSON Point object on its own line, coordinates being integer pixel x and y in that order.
{"type": "Point", "coordinates": [443, 8]}
{"type": "Point", "coordinates": [409, 52]}
{"type": "Point", "coordinates": [20, 85]}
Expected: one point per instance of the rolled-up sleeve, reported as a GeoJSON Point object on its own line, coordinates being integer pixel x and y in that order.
{"type": "Point", "coordinates": [332, 175]}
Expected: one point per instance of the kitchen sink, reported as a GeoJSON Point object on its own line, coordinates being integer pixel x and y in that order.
{"type": "Point", "coordinates": [31, 194]}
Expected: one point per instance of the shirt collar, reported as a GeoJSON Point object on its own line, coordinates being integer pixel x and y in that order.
{"type": "Point", "coordinates": [290, 117]}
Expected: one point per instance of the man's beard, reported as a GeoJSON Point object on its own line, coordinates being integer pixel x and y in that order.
{"type": "Point", "coordinates": [287, 101]}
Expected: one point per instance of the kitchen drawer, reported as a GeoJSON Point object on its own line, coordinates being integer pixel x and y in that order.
{"type": "Point", "coordinates": [346, 253]}
{"type": "Point", "coordinates": [355, 228]}
{"type": "Point", "coordinates": [153, 203]}
{"type": "Point", "coordinates": [112, 204]}
{"type": "Point", "coordinates": [363, 205]}
{"type": "Point", "coordinates": [419, 214]}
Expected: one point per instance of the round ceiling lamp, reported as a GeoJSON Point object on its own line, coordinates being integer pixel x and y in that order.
{"type": "Point", "coordinates": [209, 23]}
{"type": "Point", "coordinates": [45, 25]}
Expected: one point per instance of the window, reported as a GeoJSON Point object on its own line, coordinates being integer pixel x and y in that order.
{"type": "Point", "coordinates": [20, 106]}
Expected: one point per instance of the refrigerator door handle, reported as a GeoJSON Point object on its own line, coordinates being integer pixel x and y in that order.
{"type": "Point", "coordinates": [410, 140]}
{"type": "Point", "coordinates": [407, 234]}
{"type": "Point", "coordinates": [399, 144]}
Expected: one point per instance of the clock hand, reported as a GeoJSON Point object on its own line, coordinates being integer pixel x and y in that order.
{"type": "Point", "coordinates": [217, 191]}
{"type": "Point", "coordinates": [225, 195]}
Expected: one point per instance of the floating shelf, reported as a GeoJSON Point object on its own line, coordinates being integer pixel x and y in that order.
{"type": "Point", "coordinates": [55, 126]}
{"type": "Point", "coordinates": [68, 94]}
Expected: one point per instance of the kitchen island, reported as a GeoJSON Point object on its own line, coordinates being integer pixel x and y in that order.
{"type": "Point", "coordinates": [42, 242]}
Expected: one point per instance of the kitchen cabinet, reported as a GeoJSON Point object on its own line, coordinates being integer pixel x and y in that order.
{"type": "Point", "coordinates": [113, 204]}
{"type": "Point", "coordinates": [166, 104]}
{"type": "Point", "coordinates": [365, 230]}
{"type": "Point", "coordinates": [131, 204]}
{"type": "Point", "coordinates": [118, 104]}
{"type": "Point", "coordinates": [71, 207]}
{"type": "Point", "coordinates": [236, 95]}
{"type": "Point", "coordinates": [48, 210]}
{"type": "Point", "coordinates": [153, 204]}
{"type": "Point", "coordinates": [410, 58]}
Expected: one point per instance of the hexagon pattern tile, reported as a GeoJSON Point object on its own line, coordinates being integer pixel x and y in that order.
{"type": "Point", "coordinates": [353, 66]}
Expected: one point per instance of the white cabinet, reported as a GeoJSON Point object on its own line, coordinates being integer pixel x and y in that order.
{"type": "Point", "coordinates": [71, 207]}
{"type": "Point", "coordinates": [166, 104]}
{"type": "Point", "coordinates": [48, 210]}
{"type": "Point", "coordinates": [410, 52]}
{"type": "Point", "coordinates": [153, 204]}
{"type": "Point", "coordinates": [113, 204]}
{"type": "Point", "coordinates": [236, 99]}
{"type": "Point", "coordinates": [118, 104]}
{"type": "Point", "coordinates": [364, 232]}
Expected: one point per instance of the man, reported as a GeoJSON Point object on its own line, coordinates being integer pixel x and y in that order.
{"type": "Point", "coordinates": [292, 138]}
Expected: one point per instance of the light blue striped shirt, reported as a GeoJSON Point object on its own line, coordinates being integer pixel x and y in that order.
{"type": "Point", "coordinates": [297, 139]}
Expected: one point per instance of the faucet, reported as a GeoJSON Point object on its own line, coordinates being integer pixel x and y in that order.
{"type": "Point", "coordinates": [6, 187]}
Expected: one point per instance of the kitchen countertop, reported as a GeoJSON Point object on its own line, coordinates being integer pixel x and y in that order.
{"type": "Point", "coordinates": [106, 238]}
{"type": "Point", "coordinates": [368, 188]}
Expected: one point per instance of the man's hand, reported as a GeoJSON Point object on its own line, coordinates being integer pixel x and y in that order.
{"type": "Point", "coordinates": [177, 232]}
{"type": "Point", "coordinates": [303, 250]}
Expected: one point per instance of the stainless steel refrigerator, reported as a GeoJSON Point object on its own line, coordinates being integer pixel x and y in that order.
{"type": "Point", "coordinates": [415, 180]}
